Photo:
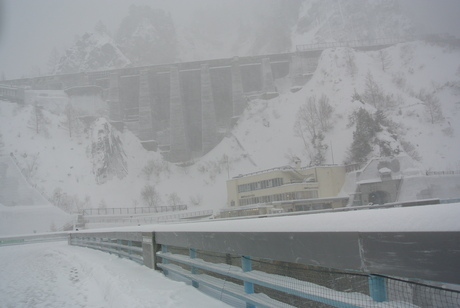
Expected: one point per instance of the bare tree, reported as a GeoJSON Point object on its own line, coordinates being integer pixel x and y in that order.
{"type": "Point", "coordinates": [432, 106]}
{"type": "Point", "coordinates": [372, 92]}
{"type": "Point", "coordinates": [325, 111]}
{"type": "Point", "coordinates": [350, 62]}
{"type": "Point", "coordinates": [312, 121]}
{"type": "Point", "coordinates": [196, 200]}
{"type": "Point", "coordinates": [174, 199]}
{"type": "Point", "coordinates": [385, 59]}
{"type": "Point", "coordinates": [72, 123]}
{"type": "Point", "coordinates": [38, 120]}
{"type": "Point", "coordinates": [31, 165]}
{"type": "Point", "coordinates": [150, 196]}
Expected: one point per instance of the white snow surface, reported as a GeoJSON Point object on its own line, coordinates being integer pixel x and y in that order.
{"type": "Point", "coordinates": [427, 218]}
{"type": "Point", "coordinates": [58, 275]}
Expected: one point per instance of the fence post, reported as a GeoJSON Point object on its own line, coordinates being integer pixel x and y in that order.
{"type": "Point", "coordinates": [149, 250]}
{"type": "Point", "coordinates": [118, 247]}
{"type": "Point", "coordinates": [377, 288]}
{"type": "Point", "coordinates": [130, 251]}
{"type": "Point", "coordinates": [248, 286]}
{"type": "Point", "coordinates": [192, 254]}
{"type": "Point", "coordinates": [164, 249]}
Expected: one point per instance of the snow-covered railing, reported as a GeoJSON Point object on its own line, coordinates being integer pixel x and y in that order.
{"type": "Point", "coordinates": [33, 238]}
{"type": "Point", "coordinates": [134, 211]}
{"type": "Point", "coordinates": [297, 269]}
{"type": "Point", "coordinates": [127, 245]}
{"type": "Point", "coordinates": [300, 269]}
{"type": "Point", "coordinates": [139, 219]}
{"type": "Point", "coordinates": [352, 44]}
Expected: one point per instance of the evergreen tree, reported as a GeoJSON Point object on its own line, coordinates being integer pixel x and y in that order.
{"type": "Point", "coordinates": [366, 128]}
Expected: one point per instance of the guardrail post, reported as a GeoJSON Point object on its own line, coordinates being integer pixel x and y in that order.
{"type": "Point", "coordinates": [248, 286]}
{"type": "Point", "coordinates": [192, 254]}
{"type": "Point", "coordinates": [118, 247]}
{"type": "Point", "coordinates": [377, 288]}
{"type": "Point", "coordinates": [164, 249]}
{"type": "Point", "coordinates": [149, 250]}
{"type": "Point", "coordinates": [130, 251]}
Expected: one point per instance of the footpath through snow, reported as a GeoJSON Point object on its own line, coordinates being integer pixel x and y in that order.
{"type": "Point", "coordinates": [57, 275]}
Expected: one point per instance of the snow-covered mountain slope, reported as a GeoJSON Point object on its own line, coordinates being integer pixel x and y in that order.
{"type": "Point", "coordinates": [331, 20]}
{"type": "Point", "coordinates": [92, 52]}
{"type": "Point", "coordinates": [264, 136]}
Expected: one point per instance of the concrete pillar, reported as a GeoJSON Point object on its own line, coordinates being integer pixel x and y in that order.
{"type": "Point", "coordinates": [237, 89]}
{"type": "Point", "coordinates": [145, 108]}
{"type": "Point", "coordinates": [149, 249]}
{"type": "Point", "coordinates": [295, 67]}
{"type": "Point", "coordinates": [179, 149]}
{"type": "Point", "coordinates": [208, 113]}
{"type": "Point", "coordinates": [268, 84]}
{"type": "Point", "coordinates": [115, 110]}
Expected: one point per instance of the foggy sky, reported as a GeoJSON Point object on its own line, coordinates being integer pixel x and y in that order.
{"type": "Point", "coordinates": [30, 29]}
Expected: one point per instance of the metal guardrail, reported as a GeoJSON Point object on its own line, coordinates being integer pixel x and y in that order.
{"type": "Point", "coordinates": [298, 269]}
{"type": "Point", "coordinates": [133, 211]}
{"type": "Point", "coordinates": [146, 218]}
{"type": "Point", "coordinates": [352, 44]}
{"type": "Point", "coordinates": [124, 245]}
{"type": "Point", "coordinates": [33, 238]}
{"type": "Point", "coordinates": [120, 248]}
{"type": "Point", "coordinates": [313, 267]}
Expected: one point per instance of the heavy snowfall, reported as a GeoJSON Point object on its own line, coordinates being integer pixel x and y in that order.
{"type": "Point", "coordinates": [54, 165]}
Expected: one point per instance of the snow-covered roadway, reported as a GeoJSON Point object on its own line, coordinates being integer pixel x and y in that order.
{"type": "Point", "coordinates": [58, 275]}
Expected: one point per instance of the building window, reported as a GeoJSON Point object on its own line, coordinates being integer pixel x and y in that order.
{"type": "Point", "coordinates": [260, 185]}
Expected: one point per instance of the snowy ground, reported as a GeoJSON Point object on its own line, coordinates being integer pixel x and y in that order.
{"type": "Point", "coordinates": [57, 275]}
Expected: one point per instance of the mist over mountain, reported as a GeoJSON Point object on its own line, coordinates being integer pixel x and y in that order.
{"type": "Point", "coordinates": [149, 36]}
{"type": "Point", "coordinates": [91, 52]}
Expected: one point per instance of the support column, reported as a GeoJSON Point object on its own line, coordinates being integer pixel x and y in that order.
{"type": "Point", "coordinates": [377, 288]}
{"type": "Point", "coordinates": [149, 250]}
{"type": "Point", "coordinates": [237, 89]}
{"type": "Point", "coordinates": [268, 84]}
{"type": "Point", "coordinates": [248, 286]}
{"type": "Point", "coordinates": [115, 110]}
{"type": "Point", "coordinates": [208, 113]}
{"type": "Point", "coordinates": [146, 133]}
{"type": "Point", "coordinates": [193, 270]}
{"type": "Point", "coordinates": [164, 249]}
{"type": "Point", "coordinates": [179, 149]}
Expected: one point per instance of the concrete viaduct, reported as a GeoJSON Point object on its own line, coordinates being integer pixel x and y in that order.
{"type": "Point", "coordinates": [184, 109]}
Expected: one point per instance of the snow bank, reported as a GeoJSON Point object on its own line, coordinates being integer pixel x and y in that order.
{"type": "Point", "coordinates": [58, 275]}
{"type": "Point", "coordinates": [428, 218]}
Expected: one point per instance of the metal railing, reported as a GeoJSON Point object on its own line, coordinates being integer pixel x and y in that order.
{"type": "Point", "coordinates": [124, 245]}
{"type": "Point", "coordinates": [352, 44]}
{"type": "Point", "coordinates": [299, 269]}
{"type": "Point", "coordinates": [242, 280]}
{"type": "Point", "coordinates": [33, 238]}
{"type": "Point", "coordinates": [134, 211]}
